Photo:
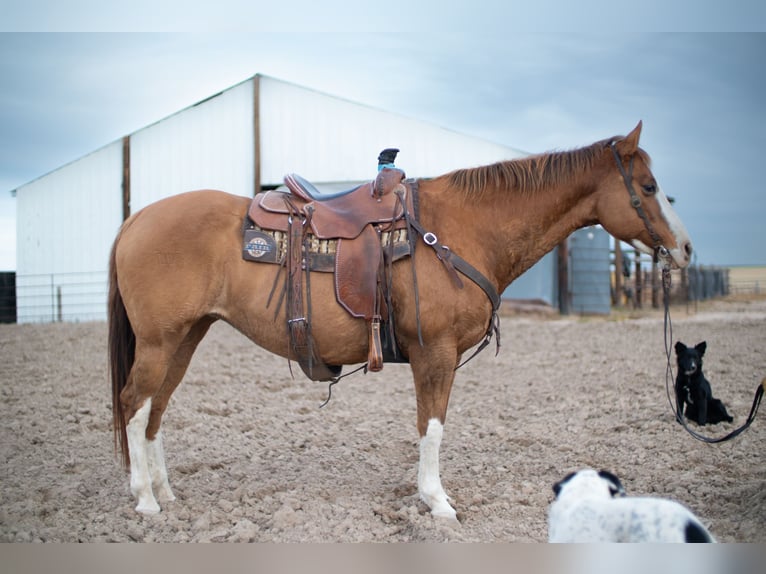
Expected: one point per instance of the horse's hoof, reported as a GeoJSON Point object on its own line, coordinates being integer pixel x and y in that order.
{"type": "Point", "coordinates": [165, 494]}
{"type": "Point", "coordinates": [148, 509]}
{"type": "Point", "coordinates": [447, 514]}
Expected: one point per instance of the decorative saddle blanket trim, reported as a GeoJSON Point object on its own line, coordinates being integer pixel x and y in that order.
{"type": "Point", "coordinates": [270, 246]}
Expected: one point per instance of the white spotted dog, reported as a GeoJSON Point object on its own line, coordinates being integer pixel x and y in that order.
{"type": "Point", "coordinates": [591, 506]}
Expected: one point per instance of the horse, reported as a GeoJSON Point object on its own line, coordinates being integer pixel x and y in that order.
{"type": "Point", "coordinates": [176, 267]}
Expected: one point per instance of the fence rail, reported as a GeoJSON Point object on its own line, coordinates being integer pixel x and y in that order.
{"type": "Point", "coordinates": [640, 283]}
{"type": "Point", "coordinates": [79, 297]}
{"type": "Point", "coordinates": [754, 287]}
{"type": "Point", "coordinates": [55, 297]}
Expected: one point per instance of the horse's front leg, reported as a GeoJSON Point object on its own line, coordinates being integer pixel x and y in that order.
{"type": "Point", "coordinates": [434, 373]}
{"type": "Point", "coordinates": [429, 481]}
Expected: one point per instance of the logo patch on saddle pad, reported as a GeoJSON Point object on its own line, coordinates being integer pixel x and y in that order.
{"type": "Point", "coordinates": [260, 246]}
{"type": "Point", "coordinates": [267, 246]}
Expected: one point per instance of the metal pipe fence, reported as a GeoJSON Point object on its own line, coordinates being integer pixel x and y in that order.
{"type": "Point", "coordinates": [640, 283]}
{"type": "Point", "coordinates": [79, 297]}
{"type": "Point", "coordinates": [54, 297]}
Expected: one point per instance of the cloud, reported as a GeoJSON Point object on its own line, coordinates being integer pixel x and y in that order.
{"type": "Point", "coordinates": [65, 95]}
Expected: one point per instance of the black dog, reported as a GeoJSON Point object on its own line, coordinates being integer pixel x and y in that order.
{"type": "Point", "coordinates": [693, 389]}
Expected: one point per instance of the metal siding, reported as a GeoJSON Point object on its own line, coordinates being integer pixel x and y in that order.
{"type": "Point", "coordinates": [207, 146]}
{"type": "Point", "coordinates": [537, 283]}
{"type": "Point", "coordinates": [328, 139]}
{"type": "Point", "coordinates": [66, 222]}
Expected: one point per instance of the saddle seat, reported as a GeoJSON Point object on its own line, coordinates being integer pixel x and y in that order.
{"type": "Point", "coordinates": [356, 219]}
{"type": "Point", "coordinates": [333, 216]}
{"type": "Point", "coordinates": [308, 191]}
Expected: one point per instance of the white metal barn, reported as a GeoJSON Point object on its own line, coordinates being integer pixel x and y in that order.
{"type": "Point", "coordinates": [241, 140]}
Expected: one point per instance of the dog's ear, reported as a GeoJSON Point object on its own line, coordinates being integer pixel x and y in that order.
{"type": "Point", "coordinates": [700, 347]}
{"type": "Point", "coordinates": [560, 484]}
{"type": "Point", "coordinates": [680, 347]}
{"type": "Point", "coordinates": [615, 486]}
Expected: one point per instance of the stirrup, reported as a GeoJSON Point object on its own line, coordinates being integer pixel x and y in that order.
{"type": "Point", "coordinates": [375, 353]}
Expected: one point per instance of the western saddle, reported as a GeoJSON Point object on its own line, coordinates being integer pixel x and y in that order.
{"type": "Point", "coordinates": [354, 234]}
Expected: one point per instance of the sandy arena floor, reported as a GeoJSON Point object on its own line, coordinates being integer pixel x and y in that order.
{"type": "Point", "coordinates": [252, 457]}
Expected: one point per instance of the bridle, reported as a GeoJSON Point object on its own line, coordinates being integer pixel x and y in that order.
{"type": "Point", "coordinates": [627, 177]}
{"type": "Point", "coordinates": [661, 252]}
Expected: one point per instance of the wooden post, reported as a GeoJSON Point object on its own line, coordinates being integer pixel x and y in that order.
{"type": "Point", "coordinates": [639, 281]}
{"type": "Point", "coordinates": [563, 272]}
{"type": "Point", "coordinates": [125, 177]}
{"type": "Point", "coordinates": [655, 284]}
{"type": "Point", "coordinates": [59, 306]}
{"type": "Point", "coordinates": [256, 134]}
{"type": "Point", "coordinates": [617, 300]}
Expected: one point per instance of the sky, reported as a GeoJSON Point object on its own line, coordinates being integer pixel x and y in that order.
{"type": "Point", "coordinates": [76, 76]}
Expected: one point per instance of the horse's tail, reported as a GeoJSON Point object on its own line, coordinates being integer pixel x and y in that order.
{"type": "Point", "coordinates": [122, 352]}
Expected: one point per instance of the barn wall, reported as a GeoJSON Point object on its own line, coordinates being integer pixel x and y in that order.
{"type": "Point", "coordinates": [538, 283]}
{"type": "Point", "coordinates": [328, 139]}
{"type": "Point", "coordinates": [67, 220]}
{"type": "Point", "coordinates": [207, 146]}
{"type": "Point", "coordinates": [65, 224]}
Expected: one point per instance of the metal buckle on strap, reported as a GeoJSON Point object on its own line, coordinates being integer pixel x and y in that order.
{"type": "Point", "coordinates": [429, 238]}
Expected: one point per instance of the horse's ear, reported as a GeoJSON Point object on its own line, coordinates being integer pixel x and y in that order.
{"type": "Point", "coordinates": [629, 145]}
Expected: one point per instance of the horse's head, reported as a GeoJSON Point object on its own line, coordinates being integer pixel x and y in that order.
{"type": "Point", "coordinates": [632, 206]}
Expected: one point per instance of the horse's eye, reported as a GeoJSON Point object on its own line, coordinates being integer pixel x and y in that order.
{"type": "Point", "coordinates": [650, 189]}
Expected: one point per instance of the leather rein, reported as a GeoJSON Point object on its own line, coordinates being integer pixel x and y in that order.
{"type": "Point", "coordinates": [669, 378]}
{"type": "Point", "coordinates": [661, 251]}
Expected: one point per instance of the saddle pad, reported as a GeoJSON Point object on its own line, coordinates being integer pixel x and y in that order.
{"type": "Point", "coordinates": [270, 246]}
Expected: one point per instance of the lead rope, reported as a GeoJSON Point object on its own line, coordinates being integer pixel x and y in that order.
{"type": "Point", "coordinates": [668, 332]}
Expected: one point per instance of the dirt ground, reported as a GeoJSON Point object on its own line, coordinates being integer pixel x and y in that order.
{"type": "Point", "coordinates": [252, 457]}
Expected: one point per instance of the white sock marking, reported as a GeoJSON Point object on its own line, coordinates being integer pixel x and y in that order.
{"type": "Point", "coordinates": [157, 469]}
{"type": "Point", "coordinates": [429, 484]}
{"type": "Point", "coordinates": [140, 479]}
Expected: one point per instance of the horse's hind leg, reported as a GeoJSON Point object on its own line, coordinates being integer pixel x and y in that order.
{"type": "Point", "coordinates": [144, 382]}
{"type": "Point", "coordinates": [175, 373]}
{"type": "Point", "coordinates": [140, 483]}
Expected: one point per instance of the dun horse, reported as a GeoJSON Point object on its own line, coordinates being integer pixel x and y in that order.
{"type": "Point", "coordinates": [176, 267]}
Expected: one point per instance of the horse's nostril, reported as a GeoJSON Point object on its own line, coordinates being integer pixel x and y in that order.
{"type": "Point", "coordinates": [688, 249]}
